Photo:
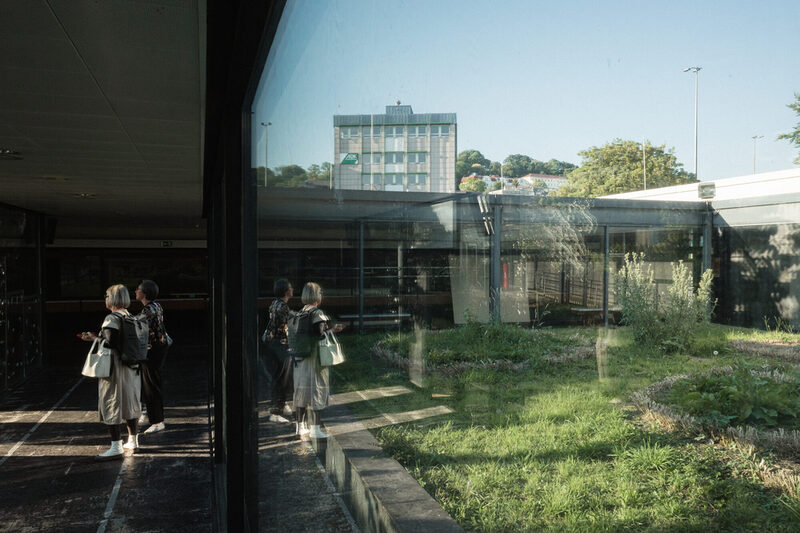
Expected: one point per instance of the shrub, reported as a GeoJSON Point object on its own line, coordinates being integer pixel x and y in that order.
{"type": "Point", "coordinates": [638, 297]}
{"type": "Point", "coordinates": [667, 321]}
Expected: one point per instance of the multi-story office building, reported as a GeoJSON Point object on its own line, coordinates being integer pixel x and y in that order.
{"type": "Point", "coordinates": [395, 151]}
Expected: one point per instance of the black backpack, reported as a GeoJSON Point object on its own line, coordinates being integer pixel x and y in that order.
{"type": "Point", "coordinates": [299, 326]}
{"type": "Point", "coordinates": [134, 337]}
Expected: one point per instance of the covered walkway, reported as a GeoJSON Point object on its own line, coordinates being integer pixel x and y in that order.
{"type": "Point", "coordinates": [50, 481]}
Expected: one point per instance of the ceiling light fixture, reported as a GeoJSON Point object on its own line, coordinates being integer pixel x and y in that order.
{"type": "Point", "coordinates": [85, 195]}
{"type": "Point", "coordinates": [7, 154]}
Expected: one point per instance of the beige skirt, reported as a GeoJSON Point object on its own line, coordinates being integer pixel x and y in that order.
{"type": "Point", "coordinates": [119, 396]}
{"type": "Point", "coordinates": [311, 383]}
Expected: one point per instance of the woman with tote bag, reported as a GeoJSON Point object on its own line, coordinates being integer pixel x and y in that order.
{"type": "Point", "coordinates": [311, 379]}
{"type": "Point", "coordinates": [119, 394]}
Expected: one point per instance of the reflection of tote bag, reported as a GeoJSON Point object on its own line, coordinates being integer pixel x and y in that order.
{"type": "Point", "coordinates": [98, 360]}
{"type": "Point", "coordinates": [330, 352]}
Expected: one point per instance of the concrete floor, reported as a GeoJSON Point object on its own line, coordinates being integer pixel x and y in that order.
{"type": "Point", "coordinates": [50, 481]}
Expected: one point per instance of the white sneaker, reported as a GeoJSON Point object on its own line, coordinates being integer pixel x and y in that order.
{"type": "Point", "coordinates": [114, 452]}
{"type": "Point", "coordinates": [133, 443]}
{"type": "Point", "coordinates": [287, 411]}
{"type": "Point", "coordinates": [300, 429]}
{"type": "Point", "coordinates": [155, 428]}
{"type": "Point", "coordinates": [279, 418]}
{"type": "Point", "coordinates": [316, 433]}
{"type": "Point", "coordinates": [143, 420]}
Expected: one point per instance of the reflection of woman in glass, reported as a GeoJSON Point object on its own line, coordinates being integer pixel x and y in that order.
{"type": "Point", "coordinates": [279, 362]}
{"type": "Point", "coordinates": [120, 393]}
{"type": "Point", "coordinates": [311, 380]}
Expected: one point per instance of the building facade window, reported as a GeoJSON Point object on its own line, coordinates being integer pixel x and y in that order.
{"type": "Point", "coordinates": [371, 159]}
{"type": "Point", "coordinates": [348, 132]}
{"type": "Point", "coordinates": [376, 131]}
{"type": "Point", "coordinates": [417, 157]}
{"type": "Point", "coordinates": [417, 131]}
{"type": "Point", "coordinates": [372, 179]}
{"type": "Point", "coordinates": [395, 158]}
{"type": "Point", "coordinates": [394, 179]}
{"type": "Point", "coordinates": [417, 179]}
{"type": "Point", "coordinates": [440, 131]}
{"type": "Point", "coordinates": [394, 131]}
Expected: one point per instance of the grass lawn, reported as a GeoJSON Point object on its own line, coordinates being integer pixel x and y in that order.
{"type": "Point", "coordinates": [547, 440]}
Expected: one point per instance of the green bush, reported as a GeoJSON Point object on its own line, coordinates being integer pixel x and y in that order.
{"type": "Point", "coordinates": [742, 397]}
{"type": "Point", "coordinates": [668, 321]}
{"type": "Point", "coordinates": [638, 297]}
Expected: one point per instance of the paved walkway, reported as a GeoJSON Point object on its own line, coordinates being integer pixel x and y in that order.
{"type": "Point", "coordinates": [296, 495]}
{"type": "Point", "coordinates": [50, 481]}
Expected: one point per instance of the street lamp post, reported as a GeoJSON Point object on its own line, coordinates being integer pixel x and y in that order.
{"type": "Point", "coordinates": [696, 76]}
{"type": "Point", "coordinates": [755, 138]}
{"type": "Point", "coordinates": [266, 150]}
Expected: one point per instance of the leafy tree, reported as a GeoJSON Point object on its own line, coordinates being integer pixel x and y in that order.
{"type": "Point", "coordinates": [496, 186]}
{"type": "Point", "coordinates": [794, 135]}
{"type": "Point", "coordinates": [289, 176]}
{"type": "Point", "coordinates": [555, 167]}
{"type": "Point", "coordinates": [477, 169]}
{"type": "Point", "coordinates": [539, 183]}
{"type": "Point", "coordinates": [466, 159]}
{"type": "Point", "coordinates": [472, 184]}
{"type": "Point", "coordinates": [260, 176]}
{"type": "Point", "coordinates": [617, 167]}
{"type": "Point", "coordinates": [319, 172]}
{"type": "Point", "coordinates": [494, 168]}
{"type": "Point", "coordinates": [517, 165]}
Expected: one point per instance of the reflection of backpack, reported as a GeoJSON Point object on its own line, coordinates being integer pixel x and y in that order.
{"type": "Point", "coordinates": [299, 326]}
{"type": "Point", "coordinates": [134, 336]}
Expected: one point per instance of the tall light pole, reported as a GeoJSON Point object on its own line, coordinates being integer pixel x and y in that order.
{"type": "Point", "coordinates": [644, 163]}
{"type": "Point", "coordinates": [266, 150]}
{"type": "Point", "coordinates": [696, 76]}
{"type": "Point", "coordinates": [755, 138]}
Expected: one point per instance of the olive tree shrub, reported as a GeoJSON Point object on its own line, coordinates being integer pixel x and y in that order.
{"type": "Point", "coordinates": [669, 320]}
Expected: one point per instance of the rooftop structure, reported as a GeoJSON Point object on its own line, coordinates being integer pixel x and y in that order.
{"type": "Point", "coordinates": [750, 186]}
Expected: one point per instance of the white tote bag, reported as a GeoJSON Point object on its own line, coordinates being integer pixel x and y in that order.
{"type": "Point", "coordinates": [330, 352]}
{"type": "Point", "coordinates": [98, 360]}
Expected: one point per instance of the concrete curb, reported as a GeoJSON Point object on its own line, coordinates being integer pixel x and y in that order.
{"type": "Point", "coordinates": [380, 494]}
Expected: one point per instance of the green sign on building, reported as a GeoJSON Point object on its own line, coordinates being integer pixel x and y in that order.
{"type": "Point", "coordinates": [350, 159]}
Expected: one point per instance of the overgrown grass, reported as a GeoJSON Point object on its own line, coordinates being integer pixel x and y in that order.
{"type": "Point", "coordinates": [476, 342]}
{"type": "Point", "coordinates": [552, 446]}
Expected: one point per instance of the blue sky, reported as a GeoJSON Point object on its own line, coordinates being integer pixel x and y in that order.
{"type": "Point", "coordinates": [542, 78]}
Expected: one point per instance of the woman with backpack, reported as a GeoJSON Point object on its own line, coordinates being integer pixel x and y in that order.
{"type": "Point", "coordinates": [276, 343]}
{"type": "Point", "coordinates": [311, 380]}
{"type": "Point", "coordinates": [160, 341]}
{"type": "Point", "coordinates": [120, 393]}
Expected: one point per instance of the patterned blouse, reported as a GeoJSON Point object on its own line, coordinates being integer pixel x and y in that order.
{"type": "Point", "coordinates": [155, 318]}
{"type": "Point", "coordinates": [278, 317]}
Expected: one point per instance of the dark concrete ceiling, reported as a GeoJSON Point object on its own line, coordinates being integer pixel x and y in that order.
{"type": "Point", "coordinates": [103, 101]}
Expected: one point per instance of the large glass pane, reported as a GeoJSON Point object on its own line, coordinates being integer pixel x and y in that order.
{"type": "Point", "coordinates": [479, 304]}
{"type": "Point", "coordinates": [758, 275]}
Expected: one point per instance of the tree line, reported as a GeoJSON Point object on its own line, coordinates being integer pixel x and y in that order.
{"type": "Point", "coordinates": [295, 175]}
{"type": "Point", "coordinates": [471, 162]}
{"type": "Point", "coordinates": [616, 167]}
